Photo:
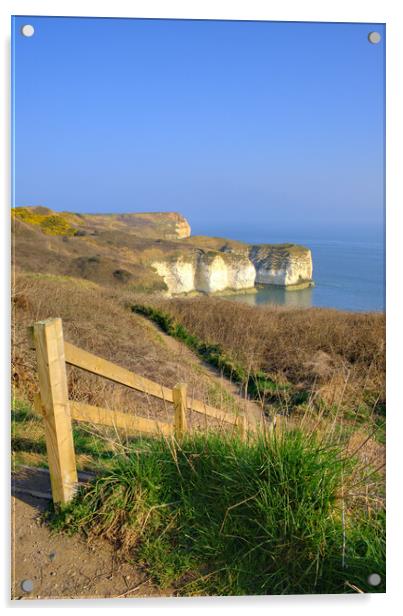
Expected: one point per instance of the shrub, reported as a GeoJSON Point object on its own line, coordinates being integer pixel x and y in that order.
{"type": "Point", "coordinates": [214, 515]}
{"type": "Point", "coordinates": [122, 275]}
{"type": "Point", "coordinates": [51, 224]}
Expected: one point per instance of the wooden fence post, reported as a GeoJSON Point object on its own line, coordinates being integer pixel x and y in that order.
{"type": "Point", "coordinates": [179, 394]}
{"type": "Point", "coordinates": [48, 336]}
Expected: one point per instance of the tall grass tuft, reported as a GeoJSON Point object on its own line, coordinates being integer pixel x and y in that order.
{"type": "Point", "coordinates": [214, 515]}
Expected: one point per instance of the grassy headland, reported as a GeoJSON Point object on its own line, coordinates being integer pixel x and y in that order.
{"type": "Point", "coordinates": [300, 509]}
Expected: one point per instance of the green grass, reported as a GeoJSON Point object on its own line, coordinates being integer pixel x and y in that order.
{"type": "Point", "coordinates": [374, 420]}
{"type": "Point", "coordinates": [93, 450]}
{"type": "Point", "coordinates": [218, 516]}
{"type": "Point", "coordinates": [220, 397]}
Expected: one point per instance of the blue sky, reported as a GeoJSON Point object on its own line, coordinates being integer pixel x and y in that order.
{"type": "Point", "coordinates": [230, 123]}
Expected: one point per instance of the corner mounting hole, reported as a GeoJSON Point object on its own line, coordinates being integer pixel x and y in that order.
{"type": "Point", "coordinates": [374, 37]}
{"type": "Point", "coordinates": [27, 30]}
{"type": "Point", "coordinates": [27, 585]}
{"type": "Point", "coordinates": [374, 579]}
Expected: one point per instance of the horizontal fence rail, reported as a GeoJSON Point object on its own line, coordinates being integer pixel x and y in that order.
{"type": "Point", "coordinates": [92, 363]}
{"type": "Point", "coordinates": [58, 411]}
{"type": "Point", "coordinates": [115, 419]}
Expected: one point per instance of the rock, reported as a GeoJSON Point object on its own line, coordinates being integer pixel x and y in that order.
{"type": "Point", "coordinates": [182, 227]}
{"type": "Point", "coordinates": [212, 271]}
{"type": "Point", "coordinates": [218, 272]}
{"type": "Point", "coordinates": [178, 275]}
{"type": "Point", "coordinates": [282, 264]}
{"type": "Point", "coordinates": [206, 272]}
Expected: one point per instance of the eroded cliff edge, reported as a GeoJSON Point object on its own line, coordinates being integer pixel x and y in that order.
{"type": "Point", "coordinates": [151, 252]}
{"type": "Point", "coordinates": [220, 265]}
{"type": "Point", "coordinates": [206, 272]}
{"type": "Point", "coordinates": [283, 264]}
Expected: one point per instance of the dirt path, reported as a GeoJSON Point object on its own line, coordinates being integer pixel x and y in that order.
{"type": "Point", "coordinates": [59, 566]}
{"type": "Point", "coordinates": [252, 409]}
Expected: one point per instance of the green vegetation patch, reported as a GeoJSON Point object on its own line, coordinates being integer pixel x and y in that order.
{"type": "Point", "coordinates": [51, 224]}
{"type": "Point", "coordinates": [220, 397]}
{"type": "Point", "coordinates": [94, 450]}
{"type": "Point", "coordinates": [219, 516]}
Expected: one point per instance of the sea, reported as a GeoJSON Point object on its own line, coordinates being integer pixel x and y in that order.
{"type": "Point", "coordinates": [348, 266]}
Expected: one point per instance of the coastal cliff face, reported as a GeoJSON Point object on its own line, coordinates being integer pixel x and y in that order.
{"type": "Point", "coordinates": [217, 272]}
{"type": "Point", "coordinates": [178, 275]}
{"type": "Point", "coordinates": [152, 252]}
{"type": "Point", "coordinates": [236, 269]}
{"type": "Point", "coordinates": [147, 225]}
{"type": "Point", "coordinates": [207, 273]}
{"type": "Point", "coordinates": [182, 228]}
{"type": "Point", "coordinates": [285, 264]}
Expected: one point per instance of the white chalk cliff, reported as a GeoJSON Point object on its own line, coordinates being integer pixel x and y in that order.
{"type": "Point", "coordinates": [215, 271]}
{"type": "Point", "coordinates": [218, 272]}
{"type": "Point", "coordinates": [211, 264]}
{"type": "Point", "coordinates": [178, 275]}
{"type": "Point", "coordinates": [284, 264]}
{"type": "Point", "coordinates": [182, 227]}
{"type": "Point", "coordinates": [206, 273]}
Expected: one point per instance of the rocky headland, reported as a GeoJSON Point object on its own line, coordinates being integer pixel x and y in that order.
{"type": "Point", "coordinates": [152, 252]}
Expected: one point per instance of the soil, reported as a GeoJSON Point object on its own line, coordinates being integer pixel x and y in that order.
{"type": "Point", "coordinates": [61, 566]}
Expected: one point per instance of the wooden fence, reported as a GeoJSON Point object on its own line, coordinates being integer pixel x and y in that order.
{"type": "Point", "coordinates": [53, 353]}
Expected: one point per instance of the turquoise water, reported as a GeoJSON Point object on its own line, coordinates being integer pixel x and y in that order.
{"type": "Point", "coordinates": [348, 270]}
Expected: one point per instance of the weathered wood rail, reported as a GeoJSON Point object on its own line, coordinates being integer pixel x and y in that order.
{"type": "Point", "coordinates": [58, 411]}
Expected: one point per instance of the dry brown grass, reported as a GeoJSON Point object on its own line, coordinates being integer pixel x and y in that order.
{"type": "Point", "coordinates": [96, 320]}
{"type": "Point", "coordinates": [340, 355]}
{"type": "Point", "coordinates": [99, 320]}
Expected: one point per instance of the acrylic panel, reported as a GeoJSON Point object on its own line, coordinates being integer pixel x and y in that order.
{"type": "Point", "coordinates": [198, 351]}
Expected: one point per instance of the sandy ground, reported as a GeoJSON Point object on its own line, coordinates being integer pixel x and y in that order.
{"type": "Point", "coordinates": [60, 566]}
